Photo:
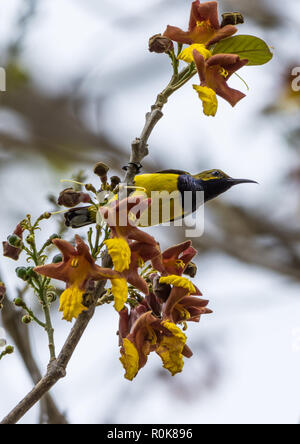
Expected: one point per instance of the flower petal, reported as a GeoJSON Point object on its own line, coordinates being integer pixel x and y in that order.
{"type": "Point", "coordinates": [176, 250]}
{"type": "Point", "coordinates": [65, 247]}
{"type": "Point", "coordinates": [55, 271]}
{"type": "Point", "coordinates": [223, 60]}
{"type": "Point", "coordinates": [187, 54]}
{"type": "Point", "coordinates": [83, 249]}
{"type": "Point", "coordinates": [129, 359]}
{"type": "Point", "coordinates": [218, 82]}
{"type": "Point", "coordinates": [71, 303]}
{"type": "Point", "coordinates": [208, 98]}
{"type": "Point", "coordinates": [120, 253]}
{"type": "Point", "coordinates": [194, 17]}
{"type": "Point", "coordinates": [208, 11]}
{"type": "Point", "coordinates": [188, 255]}
{"type": "Point", "coordinates": [120, 292]}
{"type": "Point", "coordinates": [138, 282]}
{"type": "Point", "coordinates": [222, 33]}
{"type": "Point", "coordinates": [171, 347]}
{"type": "Point", "coordinates": [178, 35]}
{"type": "Point", "coordinates": [178, 281]}
{"type": "Point", "coordinates": [200, 65]}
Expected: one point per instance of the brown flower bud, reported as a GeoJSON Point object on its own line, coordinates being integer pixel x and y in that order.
{"type": "Point", "coordinates": [46, 215]}
{"type": "Point", "coordinates": [90, 187]}
{"type": "Point", "coordinates": [232, 18]}
{"type": "Point", "coordinates": [2, 292]}
{"type": "Point", "coordinates": [13, 252]}
{"type": "Point", "coordinates": [191, 270]}
{"type": "Point", "coordinates": [26, 319]}
{"type": "Point", "coordinates": [70, 198]}
{"type": "Point", "coordinates": [114, 181]}
{"type": "Point", "coordinates": [101, 169]}
{"type": "Point", "coordinates": [160, 44]}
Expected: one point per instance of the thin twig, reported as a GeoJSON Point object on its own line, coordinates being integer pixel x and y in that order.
{"type": "Point", "coordinates": [139, 147]}
{"type": "Point", "coordinates": [57, 368]}
{"type": "Point", "coordinates": [19, 332]}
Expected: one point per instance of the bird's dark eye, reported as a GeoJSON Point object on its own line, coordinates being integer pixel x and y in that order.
{"type": "Point", "coordinates": [215, 174]}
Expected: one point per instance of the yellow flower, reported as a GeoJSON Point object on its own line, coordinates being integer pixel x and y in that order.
{"type": "Point", "coordinates": [171, 347]}
{"type": "Point", "coordinates": [204, 26]}
{"type": "Point", "coordinates": [120, 292]}
{"type": "Point", "coordinates": [71, 303]}
{"type": "Point", "coordinates": [208, 98]}
{"type": "Point", "coordinates": [178, 281]}
{"type": "Point", "coordinates": [120, 253]}
{"type": "Point", "coordinates": [130, 359]}
{"type": "Point", "coordinates": [76, 270]}
{"type": "Point", "coordinates": [187, 54]}
{"type": "Point", "coordinates": [184, 313]}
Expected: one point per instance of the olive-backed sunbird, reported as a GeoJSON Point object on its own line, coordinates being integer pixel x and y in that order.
{"type": "Point", "coordinates": [178, 183]}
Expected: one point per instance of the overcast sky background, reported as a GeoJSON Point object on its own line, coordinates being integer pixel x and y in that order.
{"type": "Point", "coordinates": [246, 361]}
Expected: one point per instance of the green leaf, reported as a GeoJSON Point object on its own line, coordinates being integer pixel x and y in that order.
{"type": "Point", "coordinates": [247, 47]}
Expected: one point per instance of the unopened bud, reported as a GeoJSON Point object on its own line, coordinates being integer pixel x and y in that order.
{"type": "Point", "coordinates": [160, 44]}
{"type": "Point", "coordinates": [26, 273]}
{"type": "Point", "coordinates": [191, 270]}
{"type": "Point", "coordinates": [26, 319]}
{"type": "Point", "coordinates": [70, 198]}
{"type": "Point", "coordinates": [46, 215]}
{"type": "Point", "coordinates": [30, 239]}
{"type": "Point", "coordinates": [101, 169]}
{"type": "Point", "coordinates": [232, 18]}
{"type": "Point", "coordinates": [114, 181]}
{"type": "Point", "coordinates": [57, 259]}
{"type": "Point", "coordinates": [22, 273]}
{"type": "Point", "coordinates": [51, 296]}
{"type": "Point", "coordinates": [13, 252]}
{"type": "Point", "coordinates": [90, 187]}
{"type": "Point", "coordinates": [14, 241]}
{"type": "Point", "coordinates": [9, 350]}
{"type": "Point", "coordinates": [31, 273]}
{"type": "Point", "coordinates": [19, 303]}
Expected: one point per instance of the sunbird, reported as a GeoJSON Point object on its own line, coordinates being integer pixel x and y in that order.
{"type": "Point", "coordinates": [211, 183]}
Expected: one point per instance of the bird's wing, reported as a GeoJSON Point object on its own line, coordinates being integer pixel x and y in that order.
{"type": "Point", "coordinates": [180, 172]}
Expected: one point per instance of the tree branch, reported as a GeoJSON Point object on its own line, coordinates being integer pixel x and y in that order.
{"type": "Point", "coordinates": [139, 147]}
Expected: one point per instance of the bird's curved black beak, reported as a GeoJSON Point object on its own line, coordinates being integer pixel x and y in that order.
{"type": "Point", "coordinates": [238, 181]}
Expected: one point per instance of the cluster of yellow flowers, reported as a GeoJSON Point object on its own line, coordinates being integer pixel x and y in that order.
{"type": "Point", "coordinates": [214, 70]}
{"type": "Point", "coordinates": [168, 298]}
